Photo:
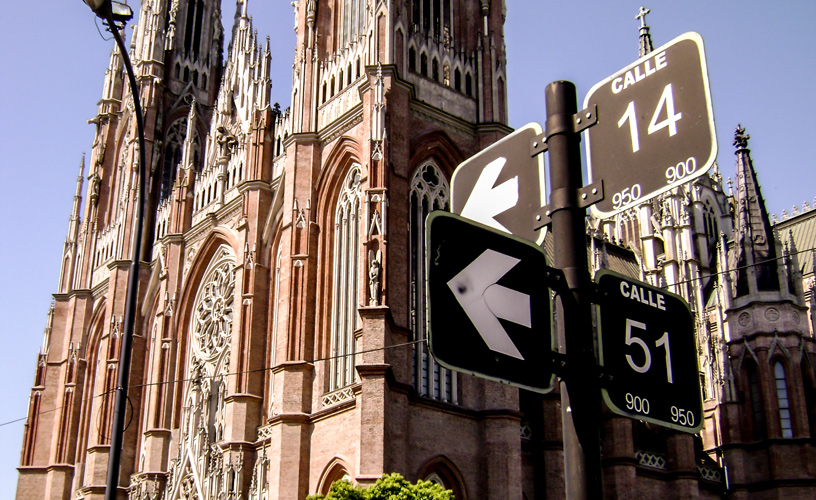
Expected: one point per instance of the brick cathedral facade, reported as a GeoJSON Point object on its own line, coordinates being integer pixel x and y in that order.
{"type": "Point", "coordinates": [279, 341]}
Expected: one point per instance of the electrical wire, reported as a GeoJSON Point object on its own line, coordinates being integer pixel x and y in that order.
{"type": "Point", "coordinates": [204, 377]}
{"type": "Point", "coordinates": [755, 264]}
{"type": "Point", "coordinates": [255, 370]}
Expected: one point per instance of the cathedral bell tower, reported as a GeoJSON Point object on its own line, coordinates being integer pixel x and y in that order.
{"type": "Point", "coordinates": [768, 398]}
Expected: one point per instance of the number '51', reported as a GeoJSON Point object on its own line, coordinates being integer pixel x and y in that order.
{"type": "Point", "coordinates": [647, 362]}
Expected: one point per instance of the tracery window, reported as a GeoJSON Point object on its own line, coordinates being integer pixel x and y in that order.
{"type": "Point", "coordinates": [710, 224]}
{"type": "Point", "coordinates": [345, 319]}
{"type": "Point", "coordinates": [212, 317]}
{"type": "Point", "coordinates": [429, 191]}
{"type": "Point", "coordinates": [352, 20]}
{"type": "Point", "coordinates": [193, 27]}
{"type": "Point", "coordinates": [202, 422]}
{"type": "Point", "coordinates": [782, 399]}
{"type": "Point", "coordinates": [434, 18]}
{"type": "Point", "coordinates": [173, 152]}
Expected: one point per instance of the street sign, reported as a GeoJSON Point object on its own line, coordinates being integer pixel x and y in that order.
{"type": "Point", "coordinates": [489, 303]}
{"type": "Point", "coordinates": [502, 185]}
{"type": "Point", "coordinates": [655, 126]}
{"type": "Point", "coordinates": [648, 348]}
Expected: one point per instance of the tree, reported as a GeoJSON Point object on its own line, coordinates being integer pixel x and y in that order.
{"type": "Point", "coordinates": [388, 487]}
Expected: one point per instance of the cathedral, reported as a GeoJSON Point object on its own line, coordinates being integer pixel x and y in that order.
{"type": "Point", "coordinates": [279, 344]}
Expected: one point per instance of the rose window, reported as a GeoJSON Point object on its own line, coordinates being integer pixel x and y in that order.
{"type": "Point", "coordinates": [212, 320]}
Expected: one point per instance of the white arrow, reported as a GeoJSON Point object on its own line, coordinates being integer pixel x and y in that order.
{"type": "Point", "coordinates": [484, 301]}
{"type": "Point", "coordinates": [485, 201]}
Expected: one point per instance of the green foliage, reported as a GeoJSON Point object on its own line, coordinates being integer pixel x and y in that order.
{"type": "Point", "coordinates": [388, 487]}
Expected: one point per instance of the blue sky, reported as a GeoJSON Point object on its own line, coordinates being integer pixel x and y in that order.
{"type": "Point", "coordinates": [761, 69]}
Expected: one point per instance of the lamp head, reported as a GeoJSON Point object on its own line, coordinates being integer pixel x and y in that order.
{"type": "Point", "coordinates": [119, 11]}
{"type": "Point", "coordinates": [98, 6]}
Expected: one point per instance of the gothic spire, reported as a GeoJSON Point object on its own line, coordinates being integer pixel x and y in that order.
{"type": "Point", "coordinates": [70, 246]}
{"type": "Point", "coordinates": [78, 194]}
{"type": "Point", "coordinates": [755, 247]}
{"type": "Point", "coordinates": [645, 40]}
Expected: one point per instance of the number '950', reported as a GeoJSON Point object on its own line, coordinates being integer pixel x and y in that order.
{"type": "Point", "coordinates": [626, 196]}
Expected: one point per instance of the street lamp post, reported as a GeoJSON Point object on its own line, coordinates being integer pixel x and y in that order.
{"type": "Point", "coordinates": [112, 12]}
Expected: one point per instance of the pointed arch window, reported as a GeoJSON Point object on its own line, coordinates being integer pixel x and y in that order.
{"type": "Point", "coordinates": [809, 386]}
{"type": "Point", "coordinates": [173, 152]}
{"type": "Point", "coordinates": [710, 224]}
{"type": "Point", "coordinates": [193, 28]}
{"type": "Point", "coordinates": [273, 361]}
{"type": "Point", "coordinates": [757, 409]}
{"type": "Point", "coordinates": [345, 319]}
{"type": "Point", "coordinates": [434, 18]}
{"type": "Point", "coordinates": [429, 192]}
{"type": "Point", "coordinates": [502, 104]}
{"type": "Point", "coordinates": [785, 421]}
{"type": "Point", "coordinates": [201, 404]}
{"type": "Point", "coordinates": [352, 20]}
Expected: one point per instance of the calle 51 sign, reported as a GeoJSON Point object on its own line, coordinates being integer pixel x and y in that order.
{"type": "Point", "coordinates": [655, 126]}
{"type": "Point", "coordinates": [649, 349]}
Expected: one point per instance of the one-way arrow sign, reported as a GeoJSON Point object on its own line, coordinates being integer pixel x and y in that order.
{"type": "Point", "coordinates": [485, 301]}
{"type": "Point", "coordinates": [489, 302]}
{"type": "Point", "coordinates": [503, 184]}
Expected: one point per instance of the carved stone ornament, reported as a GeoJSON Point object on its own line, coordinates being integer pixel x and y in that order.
{"type": "Point", "coordinates": [744, 319]}
{"type": "Point", "coordinates": [741, 138]}
{"type": "Point", "coordinates": [772, 314]}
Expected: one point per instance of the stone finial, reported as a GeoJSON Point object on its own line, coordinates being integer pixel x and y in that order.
{"type": "Point", "coordinates": [741, 138]}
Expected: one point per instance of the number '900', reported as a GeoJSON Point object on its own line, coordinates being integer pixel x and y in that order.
{"type": "Point", "coordinates": [682, 169]}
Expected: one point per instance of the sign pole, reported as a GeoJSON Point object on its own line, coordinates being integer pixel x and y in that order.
{"type": "Point", "coordinates": [581, 416]}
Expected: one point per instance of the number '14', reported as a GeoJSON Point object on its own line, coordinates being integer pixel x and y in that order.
{"type": "Point", "coordinates": [666, 101]}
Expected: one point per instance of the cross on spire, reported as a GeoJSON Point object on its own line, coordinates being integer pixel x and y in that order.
{"type": "Point", "coordinates": [642, 16]}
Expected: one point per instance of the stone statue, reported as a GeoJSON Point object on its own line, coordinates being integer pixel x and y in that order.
{"type": "Point", "coordinates": [226, 142]}
{"type": "Point", "coordinates": [375, 263]}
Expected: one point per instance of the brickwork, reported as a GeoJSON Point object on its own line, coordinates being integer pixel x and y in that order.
{"type": "Point", "coordinates": [256, 288]}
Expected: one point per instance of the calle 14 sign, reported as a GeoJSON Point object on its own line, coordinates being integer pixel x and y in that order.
{"type": "Point", "coordinates": [655, 126]}
{"type": "Point", "coordinates": [648, 347]}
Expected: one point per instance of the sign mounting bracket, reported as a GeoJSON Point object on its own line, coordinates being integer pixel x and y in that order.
{"type": "Point", "coordinates": [581, 121]}
{"type": "Point", "coordinates": [587, 195]}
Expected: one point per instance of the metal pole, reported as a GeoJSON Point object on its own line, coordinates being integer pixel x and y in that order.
{"type": "Point", "coordinates": [580, 415]}
{"type": "Point", "coordinates": [117, 432]}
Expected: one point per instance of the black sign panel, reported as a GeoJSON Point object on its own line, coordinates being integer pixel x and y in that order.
{"type": "Point", "coordinates": [488, 303]}
{"type": "Point", "coordinates": [648, 348]}
{"type": "Point", "coordinates": [655, 126]}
